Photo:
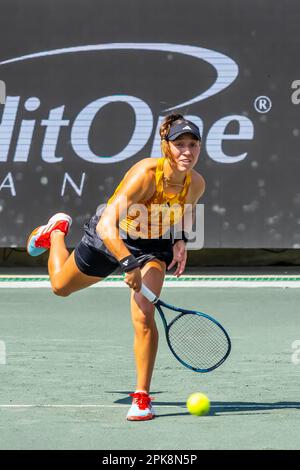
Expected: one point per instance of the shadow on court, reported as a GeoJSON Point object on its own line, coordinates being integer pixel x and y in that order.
{"type": "Point", "coordinates": [217, 407]}
{"type": "Point", "coordinates": [237, 407]}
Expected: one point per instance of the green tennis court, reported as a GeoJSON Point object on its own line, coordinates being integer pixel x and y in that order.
{"type": "Point", "coordinates": [69, 369]}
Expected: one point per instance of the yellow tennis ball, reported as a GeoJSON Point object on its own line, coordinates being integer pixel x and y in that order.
{"type": "Point", "coordinates": [198, 404]}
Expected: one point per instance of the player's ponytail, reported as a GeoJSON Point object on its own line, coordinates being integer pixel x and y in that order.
{"type": "Point", "coordinates": [164, 131]}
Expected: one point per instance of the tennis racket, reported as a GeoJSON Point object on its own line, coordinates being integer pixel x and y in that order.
{"type": "Point", "coordinates": [197, 340]}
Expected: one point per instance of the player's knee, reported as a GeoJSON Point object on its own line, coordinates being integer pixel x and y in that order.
{"type": "Point", "coordinates": [144, 319]}
{"type": "Point", "coordinates": [61, 291]}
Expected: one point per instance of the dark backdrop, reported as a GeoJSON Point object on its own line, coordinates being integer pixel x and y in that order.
{"type": "Point", "coordinates": [60, 132]}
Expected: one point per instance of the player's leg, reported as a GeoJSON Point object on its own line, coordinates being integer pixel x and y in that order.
{"type": "Point", "coordinates": [64, 273]}
{"type": "Point", "coordinates": [145, 339]}
{"type": "Point", "coordinates": [146, 334]}
{"type": "Point", "coordinates": [65, 276]}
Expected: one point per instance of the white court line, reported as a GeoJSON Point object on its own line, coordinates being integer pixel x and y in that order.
{"type": "Point", "coordinates": [242, 284]}
{"type": "Point", "coordinates": [238, 407]}
{"type": "Point", "coordinates": [81, 406]}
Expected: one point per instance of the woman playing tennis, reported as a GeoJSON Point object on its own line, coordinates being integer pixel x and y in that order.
{"type": "Point", "coordinates": [123, 235]}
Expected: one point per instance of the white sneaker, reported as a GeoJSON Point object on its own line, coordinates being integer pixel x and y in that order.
{"type": "Point", "coordinates": [40, 239]}
{"type": "Point", "coordinates": [141, 408]}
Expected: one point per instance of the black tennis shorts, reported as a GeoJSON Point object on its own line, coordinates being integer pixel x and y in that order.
{"type": "Point", "coordinates": [94, 259]}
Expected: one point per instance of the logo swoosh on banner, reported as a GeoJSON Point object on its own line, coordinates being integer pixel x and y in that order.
{"type": "Point", "coordinates": [227, 70]}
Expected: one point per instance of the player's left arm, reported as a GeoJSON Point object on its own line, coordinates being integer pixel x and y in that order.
{"type": "Point", "coordinates": [197, 189]}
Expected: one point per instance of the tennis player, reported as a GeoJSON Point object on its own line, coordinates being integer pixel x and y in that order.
{"type": "Point", "coordinates": [123, 235]}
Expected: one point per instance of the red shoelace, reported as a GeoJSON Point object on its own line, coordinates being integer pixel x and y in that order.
{"type": "Point", "coordinates": [143, 400]}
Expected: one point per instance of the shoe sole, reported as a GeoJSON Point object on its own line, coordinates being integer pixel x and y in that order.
{"type": "Point", "coordinates": [140, 418]}
{"type": "Point", "coordinates": [32, 250]}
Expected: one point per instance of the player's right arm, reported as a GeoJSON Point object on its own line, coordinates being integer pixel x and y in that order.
{"type": "Point", "coordinates": [138, 186]}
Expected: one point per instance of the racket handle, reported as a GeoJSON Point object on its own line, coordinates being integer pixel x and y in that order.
{"type": "Point", "coordinates": [149, 294]}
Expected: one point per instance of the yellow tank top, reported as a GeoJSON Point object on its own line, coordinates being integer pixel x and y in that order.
{"type": "Point", "coordinates": [154, 218]}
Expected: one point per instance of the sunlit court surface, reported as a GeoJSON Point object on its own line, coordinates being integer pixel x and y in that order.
{"type": "Point", "coordinates": [69, 367]}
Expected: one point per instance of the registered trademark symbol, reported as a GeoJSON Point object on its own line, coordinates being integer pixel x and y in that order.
{"type": "Point", "coordinates": [262, 104]}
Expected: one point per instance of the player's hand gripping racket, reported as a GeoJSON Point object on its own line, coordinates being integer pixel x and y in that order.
{"type": "Point", "coordinates": [197, 340]}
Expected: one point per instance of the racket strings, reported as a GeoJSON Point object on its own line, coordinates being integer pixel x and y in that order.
{"type": "Point", "coordinates": [198, 341]}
